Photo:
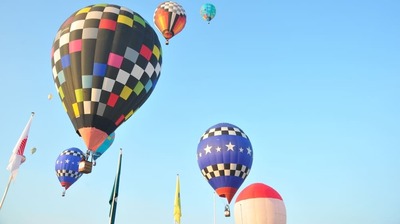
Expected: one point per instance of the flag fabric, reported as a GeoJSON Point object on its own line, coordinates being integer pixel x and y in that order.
{"type": "Point", "coordinates": [114, 193]}
{"type": "Point", "coordinates": [17, 156]}
{"type": "Point", "coordinates": [177, 202]}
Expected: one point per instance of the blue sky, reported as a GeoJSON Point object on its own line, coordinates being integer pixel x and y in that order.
{"type": "Point", "coordinates": [314, 84]}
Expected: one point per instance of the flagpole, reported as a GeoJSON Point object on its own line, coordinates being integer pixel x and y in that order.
{"type": "Point", "coordinates": [113, 209]}
{"type": "Point", "coordinates": [214, 209]}
{"type": "Point", "coordinates": [5, 192]}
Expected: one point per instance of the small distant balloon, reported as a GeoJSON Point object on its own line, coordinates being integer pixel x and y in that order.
{"type": "Point", "coordinates": [208, 11]}
{"type": "Point", "coordinates": [50, 96]}
{"type": "Point", "coordinates": [170, 19]}
{"type": "Point", "coordinates": [33, 150]}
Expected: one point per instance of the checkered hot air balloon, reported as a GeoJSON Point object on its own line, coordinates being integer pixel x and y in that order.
{"type": "Point", "coordinates": [225, 156]}
{"type": "Point", "coordinates": [170, 19]}
{"type": "Point", "coordinates": [106, 61]}
{"type": "Point", "coordinates": [259, 203]}
{"type": "Point", "coordinates": [67, 165]}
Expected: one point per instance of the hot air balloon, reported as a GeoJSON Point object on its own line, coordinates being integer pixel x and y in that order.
{"type": "Point", "coordinates": [170, 19]}
{"type": "Point", "coordinates": [67, 165]}
{"type": "Point", "coordinates": [106, 61]}
{"type": "Point", "coordinates": [259, 203]}
{"type": "Point", "coordinates": [33, 150]}
{"type": "Point", "coordinates": [104, 146]}
{"type": "Point", "coordinates": [50, 96]}
{"type": "Point", "coordinates": [225, 156]}
{"type": "Point", "coordinates": [207, 12]}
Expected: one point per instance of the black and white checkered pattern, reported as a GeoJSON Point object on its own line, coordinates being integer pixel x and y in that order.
{"type": "Point", "coordinates": [68, 173]}
{"type": "Point", "coordinates": [225, 169]}
{"type": "Point", "coordinates": [173, 7]}
{"type": "Point", "coordinates": [72, 152]}
{"type": "Point", "coordinates": [223, 131]}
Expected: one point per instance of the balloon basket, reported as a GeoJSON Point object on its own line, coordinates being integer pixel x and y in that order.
{"type": "Point", "coordinates": [227, 214]}
{"type": "Point", "coordinates": [85, 166]}
{"type": "Point", "coordinates": [227, 211]}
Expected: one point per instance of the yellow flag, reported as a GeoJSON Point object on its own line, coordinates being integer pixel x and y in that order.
{"type": "Point", "coordinates": [177, 203]}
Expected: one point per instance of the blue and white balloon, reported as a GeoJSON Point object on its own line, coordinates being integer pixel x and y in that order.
{"type": "Point", "coordinates": [225, 156]}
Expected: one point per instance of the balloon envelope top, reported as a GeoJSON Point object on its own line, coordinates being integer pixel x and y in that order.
{"type": "Point", "coordinates": [225, 157]}
{"type": "Point", "coordinates": [259, 203]}
{"type": "Point", "coordinates": [258, 190]}
{"type": "Point", "coordinates": [106, 61]}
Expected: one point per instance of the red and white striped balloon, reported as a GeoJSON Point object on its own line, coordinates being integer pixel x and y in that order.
{"type": "Point", "coordinates": [259, 204]}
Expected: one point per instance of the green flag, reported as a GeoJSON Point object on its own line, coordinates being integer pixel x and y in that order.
{"type": "Point", "coordinates": [114, 193]}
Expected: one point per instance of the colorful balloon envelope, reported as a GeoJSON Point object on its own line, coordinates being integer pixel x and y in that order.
{"type": "Point", "coordinates": [67, 165]}
{"type": "Point", "coordinates": [170, 19]}
{"type": "Point", "coordinates": [208, 11]}
{"type": "Point", "coordinates": [106, 61]}
{"type": "Point", "coordinates": [259, 203]}
{"type": "Point", "coordinates": [225, 156]}
{"type": "Point", "coordinates": [104, 146]}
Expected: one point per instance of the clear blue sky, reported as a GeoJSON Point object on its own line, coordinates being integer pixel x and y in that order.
{"type": "Point", "coordinates": [314, 84]}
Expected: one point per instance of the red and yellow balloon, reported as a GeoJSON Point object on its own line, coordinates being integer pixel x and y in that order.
{"type": "Point", "coordinates": [170, 19]}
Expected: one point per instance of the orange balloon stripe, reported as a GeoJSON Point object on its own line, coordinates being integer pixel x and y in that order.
{"type": "Point", "coordinates": [162, 20]}
{"type": "Point", "coordinates": [179, 24]}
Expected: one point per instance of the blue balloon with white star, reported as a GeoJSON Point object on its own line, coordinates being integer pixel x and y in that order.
{"type": "Point", "coordinates": [225, 156]}
{"type": "Point", "coordinates": [67, 167]}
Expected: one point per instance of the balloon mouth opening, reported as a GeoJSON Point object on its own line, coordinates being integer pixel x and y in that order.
{"type": "Point", "coordinates": [226, 192]}
{"type": "Point", "coordinates": [65, 185]}
{"type": "Point", "coordinates": [168, 34]}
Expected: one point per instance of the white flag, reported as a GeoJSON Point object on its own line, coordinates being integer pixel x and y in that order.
{"type": "Point", "coordinates": [17, 156]}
